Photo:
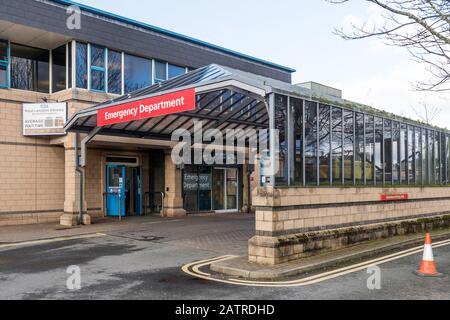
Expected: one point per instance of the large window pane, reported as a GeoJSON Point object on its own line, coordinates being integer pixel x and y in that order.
{"type": "Point", "coordinates": [175, 71]}
{"type": "Point", "coordinates": [418, 147]}
{"type": "Point", "coordinates": [311, 142]}
{"type": "Point", "coordinates": [425, 166]}
{"type": "Point", "coordinates": [403, 153]}
{"type": "Point", "coordinates": [297, 109]}
{"type": "Point", "coordinates": [437, 163]}
{"type": "Point", "coordinates": [280, 125]}
{"type": "Point", "coordinates": [160, 71]}
{"type": "Point", "coordinates": [411, 155]}
{"type": "Point", "coordinates": [29, 68]}
{"type": "Point", "coordinates": [396, 153]}
{"type": "Point", "coordinates": [138, 73]}
{"type": "Point", "coordinates": [349, 128]}
{"type": "Point", "coordinates": [431, 159]}
{"type": "Point", "coordinates": [324, 143]}
{"type": "Point", "coordinates": [114, 72]}
{"type": "Point", "coordinates": [98, 80]}
{"type": "Point", "coordinates": [370, 149]}
{"type": "Point", "coordinates": [59, 69]}
{"type": "Point", "coordinates": [388, 151]}
{"type": "Point", "coordinates": [359, 152]}
{"type": "Point", "coordinates": [81, 65]}
{"type": "Point", "coordinates": [336, 145]}
{"type": "Point", "coordinates": [379, 156]}
{"type": "Point", "coordinates": [443, 159]}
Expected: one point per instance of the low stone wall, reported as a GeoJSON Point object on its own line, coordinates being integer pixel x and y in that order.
{"type": "Point", "coordinates": [14, 219]}
{"type": "Point", "coordinates": [293, 222]}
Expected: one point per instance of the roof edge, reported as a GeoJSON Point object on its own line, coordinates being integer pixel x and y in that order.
{"type": "Point", "coordinates": [173, 34]}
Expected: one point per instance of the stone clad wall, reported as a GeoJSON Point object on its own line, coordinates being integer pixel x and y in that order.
{"type": "Point", "coordinates": [284, 212]}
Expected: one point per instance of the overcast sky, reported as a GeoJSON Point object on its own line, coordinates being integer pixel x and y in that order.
{"type": "Point", "coordinates": [299, 34]}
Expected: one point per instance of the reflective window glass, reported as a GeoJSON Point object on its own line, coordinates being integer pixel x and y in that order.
{"type": "Point", "coordinates": [81, 65]}
{"type": "Point", "coordinates": [138, 73]}
{"type": "Point", "coordinates": [311, 142]}
{"type": "Point", "coordinates": [29, 68]}
{"type": "Point", "coordinates": [175, 71]}
{"type": "Point", "coordinates": [114, 72]}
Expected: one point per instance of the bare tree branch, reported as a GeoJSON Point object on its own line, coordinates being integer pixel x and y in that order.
{"type": "Point", "coordinates": [420, 26]}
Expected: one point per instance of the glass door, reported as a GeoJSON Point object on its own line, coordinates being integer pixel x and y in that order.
{"type": "Point", "coordinates": [232, 189]}
{"type": "Point", "coordinates": [219, 190]}
{"type": "Point", "coordinates": [225, 190]}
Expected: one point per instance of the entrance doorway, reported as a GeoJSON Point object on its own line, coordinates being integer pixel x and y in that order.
{"type": "Point", "coordinates": [225, 190]}
{"type": "Point", "coordinates": [123, 191]}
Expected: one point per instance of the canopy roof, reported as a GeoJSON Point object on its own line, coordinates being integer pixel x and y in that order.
{"type": "Point", "coordinates": [226, 99]}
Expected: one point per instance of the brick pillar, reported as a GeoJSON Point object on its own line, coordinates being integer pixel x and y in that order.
{"type": "Point", "coordinates": [173, 202]}
{"type": "Point", "coordinates": [72, 188]}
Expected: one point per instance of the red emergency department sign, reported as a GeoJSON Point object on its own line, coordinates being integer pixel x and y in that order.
{"type": "Point", "coordinates": [176, 102]}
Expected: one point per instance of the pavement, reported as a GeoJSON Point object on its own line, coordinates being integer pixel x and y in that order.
{"type": "Point", "coordinates": [142, 259]}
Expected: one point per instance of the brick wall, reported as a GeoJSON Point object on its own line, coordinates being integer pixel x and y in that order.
{"type": "Point", "coordinates": [286, 212]}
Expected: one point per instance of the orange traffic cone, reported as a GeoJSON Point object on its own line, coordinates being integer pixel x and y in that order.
{"type": "Point", "coordinates": [428, 267]}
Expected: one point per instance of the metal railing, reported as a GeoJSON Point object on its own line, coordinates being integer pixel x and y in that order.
{"type": "Point", "coordinates": [147, 202]}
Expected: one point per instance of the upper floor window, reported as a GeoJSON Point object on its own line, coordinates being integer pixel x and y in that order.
{"type": "Point", "coordinates": [81, 65]}
{"type": "Point", "coordinates": [4, 64]}
{"type": "Point", "coordinates": [98, 69]}
{"type": "Point", "coordinates": [114, 72]}
{"type": "Point", "coordinates": [160, 71]}
{"type": "Point", "coordinates": [175, 71]}
{"type": "Point", "coordinates": [59, 68]}
{"type": "Point", "coordinates": [29, 68]}
{"type": "Point", "coordinates": [138, 73]}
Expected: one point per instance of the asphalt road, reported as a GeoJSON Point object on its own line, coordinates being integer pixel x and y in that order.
{"type": "Point", "coordinates": [146, 264]}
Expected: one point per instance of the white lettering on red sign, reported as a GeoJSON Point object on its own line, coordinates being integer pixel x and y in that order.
{"type": "Point", "coordinates": [177, 102]}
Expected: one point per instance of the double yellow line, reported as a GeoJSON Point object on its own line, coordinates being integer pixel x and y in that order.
{"type": "Point", "coordinates": [194, 269]}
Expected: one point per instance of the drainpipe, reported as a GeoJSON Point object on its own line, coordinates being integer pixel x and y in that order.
{"type": "Point", "coordinates": [81, 173]}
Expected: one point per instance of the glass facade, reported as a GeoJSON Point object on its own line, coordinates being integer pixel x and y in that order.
{"type": "Point", "coordinates": [138, 73]}
{"type": "Point", "coordinates": [337, 145]}
{"type": "Point", "coordinates": [96, 68]}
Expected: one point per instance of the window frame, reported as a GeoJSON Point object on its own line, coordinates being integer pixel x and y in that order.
{"type": "Point", "coordinates": [97, 68]}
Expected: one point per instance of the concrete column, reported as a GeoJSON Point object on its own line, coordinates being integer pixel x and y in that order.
{"type": "Point", "coordinates": [173, 202]}
{"type": "Point", "coordinates": [72, 188]}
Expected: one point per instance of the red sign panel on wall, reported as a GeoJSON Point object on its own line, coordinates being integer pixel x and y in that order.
{"type": "Point", "coordinates": [176, 102]}
{"type": "Point", "coordinates": [394, 197]}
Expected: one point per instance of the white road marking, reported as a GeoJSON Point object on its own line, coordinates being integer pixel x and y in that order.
{"type": "Point", "coordinates": [45, 241]}
{"type": "Point", "coordinates": [304, 281]}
